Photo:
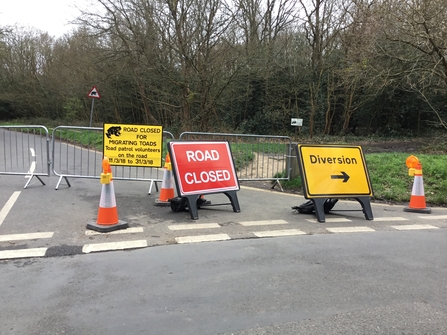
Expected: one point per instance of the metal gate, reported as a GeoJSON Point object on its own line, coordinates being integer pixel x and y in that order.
{"type": "Point", "coordinates": [77, 152]}
{"type": "Point", "coordinates": [25, 151]}
{"type": "Point", "coordinates": [73, 160]}
{"type": "Point", "coordinates": [256, 157]}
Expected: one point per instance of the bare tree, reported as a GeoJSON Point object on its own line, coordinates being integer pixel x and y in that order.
{"type": "Point", "coordinates": [360, 75]}
{"type": "Point", "coordinates": [262, 27]}
{"type": "Point", "coordinates": [322, 21]}
{"type": "Point", "coordinates": [24, 58]}
{"type": "Point", "coordinates": [127, 33]}
{"type": "Point", "coordinates": [417, 30]}
{"type": "Point", "coordinates": [194, 33]}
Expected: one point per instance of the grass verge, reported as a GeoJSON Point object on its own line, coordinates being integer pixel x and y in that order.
{"type": "Point", "coordinates": [391, 182]}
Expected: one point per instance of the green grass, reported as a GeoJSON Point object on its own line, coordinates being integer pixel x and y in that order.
{"type": "Point", "coordinates": [86, 138]}
{"type": "Point", "coordinates": [391, 182]}
{"type": "Point", "coordinates": [242, 155]}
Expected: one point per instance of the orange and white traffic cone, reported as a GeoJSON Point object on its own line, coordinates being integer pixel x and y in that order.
{"type": "Point", "coordinates": [167, 185]}
{"type": "Point", "coordinates": [107, 212]}
{"type": "Point", "coordinates": [417, 199]}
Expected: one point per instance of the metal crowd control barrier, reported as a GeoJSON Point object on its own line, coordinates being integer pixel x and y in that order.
{"type": "Point", "coordinates": [25, 151]}
{"type": "Point", "coordinates": [256, 157]}
{"type": "Point", "coordinates": [78, 153]}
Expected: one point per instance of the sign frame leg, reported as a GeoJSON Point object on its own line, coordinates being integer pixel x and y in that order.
{"type": "Point", "coordinates": [366, 206]}
{"type": "Point", "coordinates": [234, 201]}
{"type": "Point", "coordinates": [192, 206]}
{"type": "Point", "coordinates": [319, 209]}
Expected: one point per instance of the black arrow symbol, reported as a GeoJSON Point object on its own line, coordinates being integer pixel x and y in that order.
{"type": "Point", "coordinates": [343, 176]}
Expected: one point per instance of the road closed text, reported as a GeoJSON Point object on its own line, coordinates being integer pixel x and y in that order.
{"type": "Point", "coordinates": [203, 167]}
{"type": "Point", "coordinates": [205, 176]}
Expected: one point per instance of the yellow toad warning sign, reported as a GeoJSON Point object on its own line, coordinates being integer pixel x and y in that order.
{"type": "Point", "coordinates": [133, 145]}
{"type": "Point", "coordinates": [333, 171]}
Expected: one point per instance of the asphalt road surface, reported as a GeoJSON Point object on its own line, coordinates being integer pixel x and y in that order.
{"type": "Point", "coordinates": [387, 282]}
{"type": "Point", "coordinates": [43, 222]}
{"type": "Point", "coordinates": [265, 270]}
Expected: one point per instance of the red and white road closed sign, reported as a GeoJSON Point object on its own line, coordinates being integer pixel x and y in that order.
{"type": "Point", "coordinates": [203, 167]}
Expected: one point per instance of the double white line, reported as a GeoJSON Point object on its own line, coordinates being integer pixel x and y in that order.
{"type": "Point", "coordinates": [20, 253]}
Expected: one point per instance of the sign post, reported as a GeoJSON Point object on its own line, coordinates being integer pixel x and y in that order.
{"type": "Point", "coordinates": [203, 167]}
{"type": "Point", "coordinates": [331, 171]}
{"type": "Point", "coordinates": [94, 94]}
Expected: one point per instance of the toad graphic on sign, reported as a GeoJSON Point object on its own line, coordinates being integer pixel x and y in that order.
{"type": "Point", "coordinates": [113, 131]}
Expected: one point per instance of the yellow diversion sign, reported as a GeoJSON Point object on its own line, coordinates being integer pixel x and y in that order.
{"type": "Point", "coordinates": [333, 171]}
{"type": "Point", "coordinates": [133, 145]}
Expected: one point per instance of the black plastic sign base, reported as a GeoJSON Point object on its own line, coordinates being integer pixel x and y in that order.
{"type": "Point", "coordinates": [193, 208]}
{"type": "Point", "coordinates": [364, 201]}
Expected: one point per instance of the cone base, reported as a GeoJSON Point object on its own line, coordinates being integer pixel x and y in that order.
{"type": "Point", "coordinates": [107, 228]}
{"type": "Point", "coordinates": [425, 210]}
{"type": "Point", "coordinates": [159, 202]}
{"type": "Point", "coordinates": [166, 195]}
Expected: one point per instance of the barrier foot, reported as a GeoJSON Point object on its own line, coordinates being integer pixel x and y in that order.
{"type": "Point", "coordinates": [153, 182]}
{"type": "Point", "coordinates": [59, 182]}
{"type": "Point", "coordinates": [277, 183]}
{"type": "Point", "coordinates": [30, 178]}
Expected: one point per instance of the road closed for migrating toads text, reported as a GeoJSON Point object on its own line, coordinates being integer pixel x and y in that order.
{"type": "Point", "coordinates": [133, 145]}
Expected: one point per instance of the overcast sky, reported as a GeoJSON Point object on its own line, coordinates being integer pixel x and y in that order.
{"type": "Point", "coordinates": [51, 16]}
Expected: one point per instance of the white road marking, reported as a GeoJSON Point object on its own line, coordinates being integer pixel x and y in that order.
{"type": "Point", "coordinates": [414, 227]}
{"type": "Point", "coordinates": [330, 220]}
{"type": "Point", "coordinates": [202, 238]}
{"type": "Point", "coordinates": [349, 229]}
{"type": "Point", "coordinates": [390, 218]}
{"type": "Point", "coordinates": [7, 207]}
{"type": "Point", "coordinates": [30, 236]}
{"type": "Point", "coordinates": [23, 253]}
{"type": "Point", "coordinates": [262, 222]}
{"type": "Point", "coordinates": [433, 217]}
{"type": "Point", "coordinates": [116, 232]}
{"type": "Point", "coordinates": [275, 233]}
{"type": "Point", "coordinates": [114, 246]}
{"type": "Point", "coordinates": [193, 226]}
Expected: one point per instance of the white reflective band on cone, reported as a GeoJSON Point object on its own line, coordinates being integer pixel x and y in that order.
{"type": "Point", "coordinates": [107, 196]}
{"type": "Point", "coordinates": [168, 180]}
